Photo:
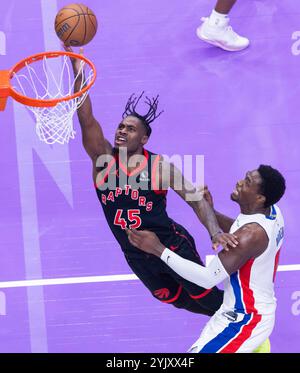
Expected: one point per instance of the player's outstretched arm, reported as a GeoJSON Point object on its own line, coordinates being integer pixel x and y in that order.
{"type": "Point", "coordinates": [206, 277]}
{"type": "Point", "coordinates": [253, 241]}
{"type": "Point", "coordinates": [225, 222]}
{"type": "Point", "coordinates": [93, 138]}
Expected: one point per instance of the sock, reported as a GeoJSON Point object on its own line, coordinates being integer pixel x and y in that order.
{"type": "Point", "coordinates": [218, 19]}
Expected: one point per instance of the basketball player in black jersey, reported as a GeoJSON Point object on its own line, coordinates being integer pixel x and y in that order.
{"type": "Point", "coordinates": [133, 192]}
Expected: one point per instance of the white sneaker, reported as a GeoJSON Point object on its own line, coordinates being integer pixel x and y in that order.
{"type": "Point", "coordinates": [221, 36]}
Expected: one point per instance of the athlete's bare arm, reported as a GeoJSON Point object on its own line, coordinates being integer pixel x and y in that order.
{"type": "Point", "coordinates": [170, 176]}
{"type": "Point", "coordinates": [252, 238]}
{"type": "Point", "coordinates": [93, 139]}
{"type": "Point", "coordinates": [253, 241]}
{"type": "Point", "coordinates": [225, 222]}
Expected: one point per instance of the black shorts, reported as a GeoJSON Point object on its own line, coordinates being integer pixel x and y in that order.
{"type": "Point", "coordinates": [166, 285]}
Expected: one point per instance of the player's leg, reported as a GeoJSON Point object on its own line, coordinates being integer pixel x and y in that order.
{"type": "Point", "coordinates": [150, 270]}
{"type": "Point", "coordinates": [224, 6]}
{"type": "Point", "coordinates": [208, 299]}
{"type": "Point", "coordinates": [212, 335]}
{"type": "Point", "coordinates": [147, 269]}
{"type": "Point", "coordinates": [215, 29]}
{"type": "Point", "coordinates": [258, 341]}
{"type": "Point", "coordinates": [182, 298]}
{"type": "Point", "coordinates": [239, 334]}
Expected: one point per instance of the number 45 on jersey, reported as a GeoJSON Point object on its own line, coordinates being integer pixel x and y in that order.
{"type": "Point", "coordinates": [132, 216]}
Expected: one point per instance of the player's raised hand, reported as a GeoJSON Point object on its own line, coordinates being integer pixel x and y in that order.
{"type": "Point", "coordinates": [76, 62]}
{"type": "Point", "coordinates": [146, 241]}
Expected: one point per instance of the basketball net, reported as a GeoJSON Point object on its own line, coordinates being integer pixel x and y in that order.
{"type": "Point", "coordinates": [49, 79]}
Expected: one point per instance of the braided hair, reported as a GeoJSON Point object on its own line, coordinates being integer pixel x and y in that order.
{"type": "Point", "coordinates": [149, 117]}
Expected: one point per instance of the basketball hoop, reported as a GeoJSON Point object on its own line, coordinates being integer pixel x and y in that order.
{"type": "Point", "coordinates": [46, 88]}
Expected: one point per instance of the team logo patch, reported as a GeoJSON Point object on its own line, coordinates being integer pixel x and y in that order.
{"type": "Point", "coordinates": [144, 176]}
{"type": "Point", "coordinates": [162, 293]}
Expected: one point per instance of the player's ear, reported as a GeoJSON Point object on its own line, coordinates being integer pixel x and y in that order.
{"type": "Point", "coordinates": [261, 199]}
{"type": "Point", "coordinates": [144, 140]}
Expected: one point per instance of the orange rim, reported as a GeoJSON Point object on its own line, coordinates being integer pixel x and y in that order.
{"type": "Point", "coordinates": [7, 90]}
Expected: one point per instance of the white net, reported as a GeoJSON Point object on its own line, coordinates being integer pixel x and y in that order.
{"type": "Point", "coordinates": [53, 78]}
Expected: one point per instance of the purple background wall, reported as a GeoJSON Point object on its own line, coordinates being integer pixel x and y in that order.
{"type": "Point", "coordinates": [238, 110]}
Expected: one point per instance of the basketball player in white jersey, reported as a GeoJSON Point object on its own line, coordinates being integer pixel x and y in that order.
{"type": "Point", "coordinates": [246, 317]}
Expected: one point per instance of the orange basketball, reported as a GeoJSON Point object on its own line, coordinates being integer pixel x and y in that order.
{"type": "Point", "coordinates": [76, 25]}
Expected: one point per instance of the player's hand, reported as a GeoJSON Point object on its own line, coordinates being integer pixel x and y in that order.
{"type": "Point", "coordinates": [76, 62]}
{"type": "Point", "coordinates": [225, 240]}
{"type": "Point", "coordinates": [146, 241]}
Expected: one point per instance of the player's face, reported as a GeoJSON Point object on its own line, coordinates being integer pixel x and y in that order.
{"type": "Point", "coordinates": [247, 190]}
{"type": "Point", "coordinates": [130, 134]}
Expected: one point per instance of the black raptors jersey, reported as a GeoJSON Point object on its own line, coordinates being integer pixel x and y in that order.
{"type": "Point", "coordinates": [132, 200]}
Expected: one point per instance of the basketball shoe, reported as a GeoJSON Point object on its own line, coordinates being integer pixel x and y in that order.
{"type": "Point", "coordinates": [221, 35]}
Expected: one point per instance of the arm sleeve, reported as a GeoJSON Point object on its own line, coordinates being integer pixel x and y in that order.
{"type": "Point", "coordinates": [206, 277]}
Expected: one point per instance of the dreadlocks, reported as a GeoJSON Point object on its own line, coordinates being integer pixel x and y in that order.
{"type": "Point", "coordinates": [147, 118]}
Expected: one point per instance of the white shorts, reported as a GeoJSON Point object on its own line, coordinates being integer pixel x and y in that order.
{"type": "Point", "coordinates": [228, 332]}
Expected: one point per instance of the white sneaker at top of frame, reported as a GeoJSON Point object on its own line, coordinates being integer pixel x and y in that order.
{"type": "Point", "coordinates": [221, 36]}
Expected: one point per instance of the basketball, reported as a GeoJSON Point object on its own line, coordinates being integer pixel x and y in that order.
{"type": "Point", "coordinates": [76, 25]}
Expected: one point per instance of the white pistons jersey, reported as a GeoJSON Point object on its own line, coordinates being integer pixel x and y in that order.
{"type": "Point", "coordinates": [247, 315]}
{"type": "Point", "coordinates": [251, 288]}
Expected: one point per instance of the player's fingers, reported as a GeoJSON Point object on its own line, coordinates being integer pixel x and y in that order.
{"type": "Point", "coordinates": [139, 234]}
{"type": "Point", "coordinates": [215, 246]}
{"type": "Point", "coordinates": [67, 48]}
{"type": "Point", "coordinates": [135, 233]}
{"type": "Point", "coordinates": [234, 241]}
{"type": "Point", "coordinates": [228, 241]}
{"type": "Point", "coordinates": [137, 243]}
{"type": "Point", "coordinates": [231, 240]}
{"type": "Point", "coordinates": [231, 243]}
{"type": "Point", "coordinates": [132, 240]}
{"type": "Point", "coordinates": [81, 50]}
{"type": "Point", "coordinates": [224, 245]}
